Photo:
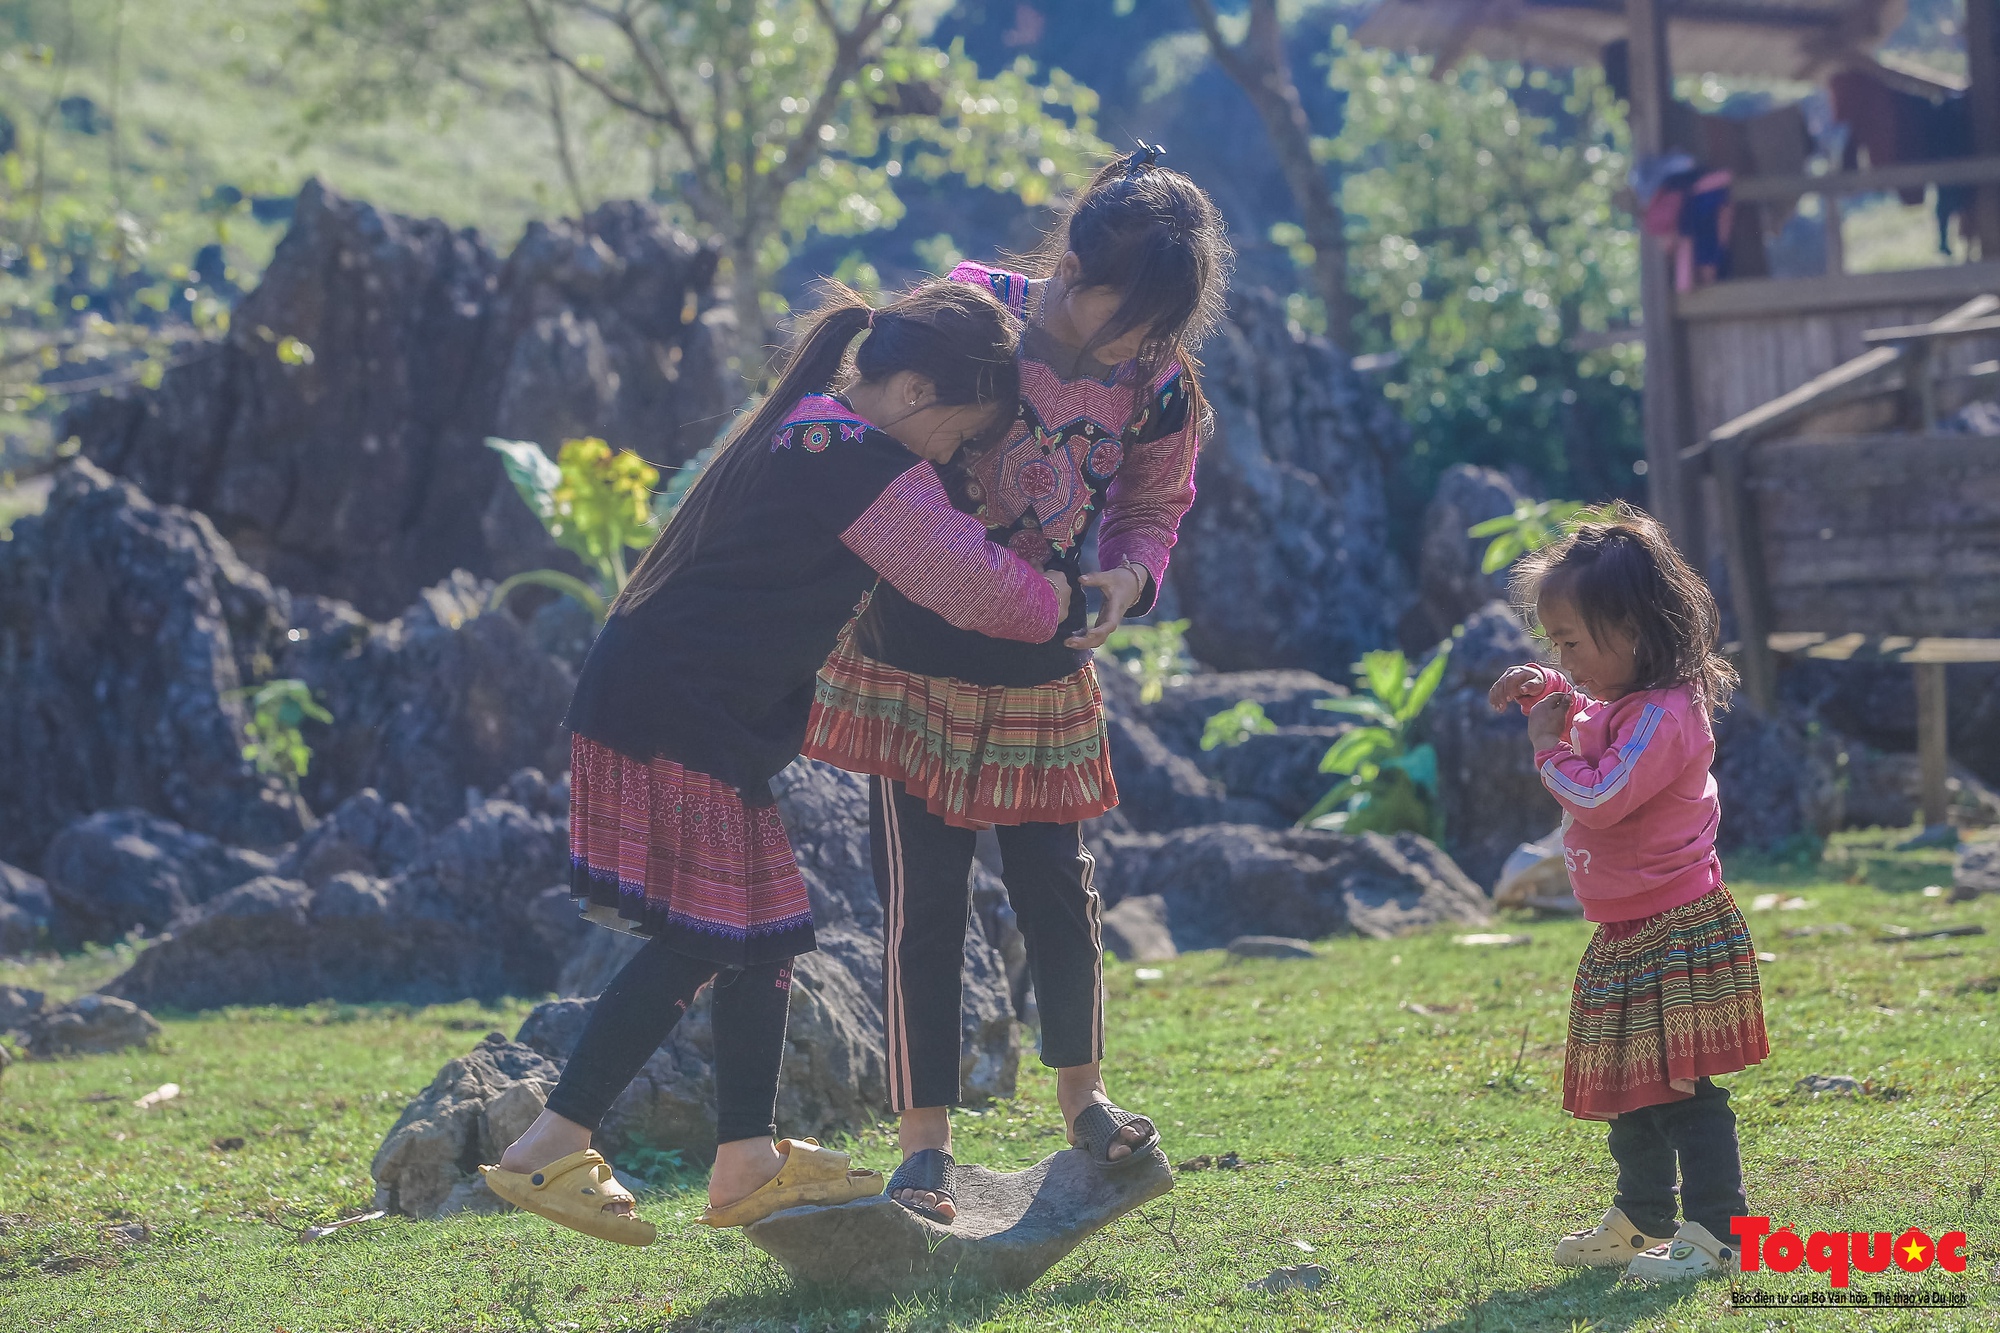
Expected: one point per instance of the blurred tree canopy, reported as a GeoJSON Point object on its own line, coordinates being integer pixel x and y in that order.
{"type": "Point", "coordinates": [1487, 245]}
{"type": "Point", "coordinates": [765, 119]}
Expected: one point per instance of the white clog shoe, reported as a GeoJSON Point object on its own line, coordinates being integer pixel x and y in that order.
{"type": "Point", "coordinates": [1612, 1243]}
{"type": "Point", "coordinates": [1693, 1252]}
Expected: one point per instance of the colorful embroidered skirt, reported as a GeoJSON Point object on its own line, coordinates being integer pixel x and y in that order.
{"type": "Point", "coordinates": [1673, 996]}
{"type": "Point", "coordinates": [976, 754]}
{"type": "Point", "coordinates": [670, 853]}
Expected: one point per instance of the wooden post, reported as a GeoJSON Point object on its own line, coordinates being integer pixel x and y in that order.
{"type": "Point", "coordinates": [1665, 405]}
{"type": "Point", "coordinates": [1983, 73]}
{"type": "Point", "coordinates": [1933, 756]}
{"type": "Point", "coordinates": [1749, 598]}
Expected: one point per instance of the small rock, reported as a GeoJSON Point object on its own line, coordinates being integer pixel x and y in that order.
{"type": "Point", "coordinates": [1270, 946]}
{"type": "Point", "coordinates": [230, 1144]}
{"type": "Point", "coordinates": [1010, 1229]}
{"type": "Point", "coordinates": [1229, 1161]}
{"type": "Point", "coordinates": [1534, 876]}
{"type": "Point", "coordinates": [18, 1004]}
{"type": "Point", "coordinates": [1201, 1163]}
{"type": "Point", "coordinates": [129, 1233]}
{"type": "Point", "coordinates": [89, 1025]}
{"type": "Point", "coordinates": [1499, 941]}
{"type": "Point", "coordinates": [1148, 974]}
{"type": "Point", "coordinates": [1845, 1085]}
{"type": "Point", "coordinates": [1135, 930]}
{"type": "Point", "coordinates": [26, 910]}
{"type": "Point", "coordinates": [1976, 870]}
{"type": "Point", "coordinates": [166, 1092]}
{"type": "Point", "coordinates": [1293, 1277]}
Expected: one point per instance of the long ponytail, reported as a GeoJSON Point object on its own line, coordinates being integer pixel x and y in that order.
{"type": "Point", "coordinates": [955, 335]}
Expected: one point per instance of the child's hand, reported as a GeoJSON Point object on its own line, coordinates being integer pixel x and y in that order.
{"type": "Point", "coordinates": [1515, 684]}
{"type": "Point", "coordinates": [1545, 722]}
{"type": "Point", "coordinates": [1060, 582]}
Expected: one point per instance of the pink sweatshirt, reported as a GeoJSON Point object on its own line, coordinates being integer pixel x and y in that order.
{"type": "Point", "coordinates": [1639, 804]}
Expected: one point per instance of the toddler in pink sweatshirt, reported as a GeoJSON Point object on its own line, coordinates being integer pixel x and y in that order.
{"type": "Point", "coordinates": [1667, 995]}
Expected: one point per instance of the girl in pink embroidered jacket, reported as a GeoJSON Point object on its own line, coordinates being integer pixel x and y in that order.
{"type": "Point", "coordinates": [959, 730]}
{"type": "Point", "coordinates": [1667, 997]}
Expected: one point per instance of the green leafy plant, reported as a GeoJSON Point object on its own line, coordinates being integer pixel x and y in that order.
{"type": "Point", "coordinates": [1532, 525]}
{"type": "Point", "coordinates": [657, 1168]}
{"type": "Point", "coordinates": [277, 709]}
{"type": "Point", "coordinates": [1387, 784]}
{"type": "Point", "coordinates": [596, 502]}
{"type": "Point", "coordinates": [1155, 654]}
{"type": "Point", "coordinates": [1236, 724]}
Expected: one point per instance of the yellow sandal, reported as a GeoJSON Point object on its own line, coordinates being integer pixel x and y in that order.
{"type": "Point", "coordinates": [573, 1190]}
{"type": "Point", "coordinates": [811, 1174]}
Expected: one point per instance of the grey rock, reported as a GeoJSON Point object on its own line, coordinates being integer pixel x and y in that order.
{"type": "Point", "coordinates": [440, 700]}
{"type": "Point", "coordinates": [1778, 778]}
{"type": "Point", "coordinates": [88, 1025]}
{"type": "Point", "coordinates": [1976, 870]}
{"type": "Point", "coordinates": [1158, 788]}
{"type": "Point", "coordinates": [18, 1004]}
{"type": "Point", "coordinates": [461, 920]}
{"type": "Point", "coordinates": [1285, 559]}
{"type": "Point", "coordinates": [1292, 1277]}
{"type": "Point", "coordinates": [1010, 1229]}
{"type": "Point", "coordinates": [365, 834]}
{"type": "Point", "coordinates": [1225, 880]}
{"type": "Point", "coordinates": [430, 1160]}
{"type": "Point", "coordinates": [362, 474]}
{"type": "Point", "coordinates": [1270, 946]}
{"type": "Point", "coordinates": [27, 911]}
{"type": "Point", "coordinates": [124, 628]}
{"type": "Point", "coordinates": [1271, 778]}
{"type": "Point", "coordinates": [1882, 790]}
{"type": "Point", "coordinates": [1135, 930]}
{"type": "Point", "coordinates": [1450, 585]}
{"type": "Point", "coordinates": [1492, 797]}
{"type": "Point", "coordinates": [123, 870]}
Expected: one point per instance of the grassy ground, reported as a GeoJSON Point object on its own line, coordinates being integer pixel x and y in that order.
{"type": "Point", "coordinates": [1394, 1104]}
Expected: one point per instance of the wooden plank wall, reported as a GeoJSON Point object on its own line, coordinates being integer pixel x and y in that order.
{"type": "Point", "coordinates": [1881, 534]}
{"type": "Point", "coordinates": [1739, 364]}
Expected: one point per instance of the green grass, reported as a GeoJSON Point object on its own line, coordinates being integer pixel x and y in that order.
{"type": "Point", "coordinates": [1419, 1153]}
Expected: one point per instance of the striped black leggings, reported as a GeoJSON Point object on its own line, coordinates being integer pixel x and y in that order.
{"type": "Point", "coordinates": [923, 869]}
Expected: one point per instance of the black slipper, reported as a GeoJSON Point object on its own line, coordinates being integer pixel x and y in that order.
{"type": "Point", "coordinates": [1097, 1129]}
{"type": "Point", "coordinates": [931, 1171]}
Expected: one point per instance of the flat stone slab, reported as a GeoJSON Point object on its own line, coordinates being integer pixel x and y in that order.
{"type": "Point", "coordinates": [1011, 1228]}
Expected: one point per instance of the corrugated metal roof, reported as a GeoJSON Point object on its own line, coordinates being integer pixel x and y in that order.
{"type": "Point", "coordinates": [1787, 39]}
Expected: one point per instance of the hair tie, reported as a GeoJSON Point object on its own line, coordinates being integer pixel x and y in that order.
{"type": "Point", "coordinates": [1148, 155]}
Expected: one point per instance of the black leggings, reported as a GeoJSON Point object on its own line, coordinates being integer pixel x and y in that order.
{"type": "Point", "coordinates": [640, 1007]}
{"type": "Point", "coordinates": [1701, 1133]}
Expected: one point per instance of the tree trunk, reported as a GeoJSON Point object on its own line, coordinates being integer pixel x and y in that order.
{"type": "Point", "coordinates": [1259, 67]}
{"type": "Point", "coordinates": [754, 337]}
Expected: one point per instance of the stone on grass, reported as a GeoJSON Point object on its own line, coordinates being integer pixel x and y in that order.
{"type": "Point", "coordinates": [89, 1025]}
{"type": "Point", "coordinates": [1010, 1229]}
{"type": "Point", "coordinates": [1976, 871]}
{"type": "Point", "coordinates": [1135, 930]}
{"type": "Point", "coordinates": [1292, 1277]}
{"type": "Point", "coordinates": [428, 1166]}
{"type": "Point", "coordinates": [26, 910]}
{"type": "Point", "coordinates": [1535, 876]}
{"type": "Point", "coordinates": [1270, 946]}
{"type": "Point", "coordinates": [18, 1004]}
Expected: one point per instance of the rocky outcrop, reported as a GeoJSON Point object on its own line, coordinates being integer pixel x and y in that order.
{"type": "Point", "coordinates": [335, 435]}
{"type": "Point", "coordinates": [477, 1105]}
{"type": "Point", "coordinates": [460, 918]}
{"type": "Point", "coordinates": [125, 627]}
{"type": "Point", "coordinates": [1225, 880]}
{"type": "Point", "coordinates": [1135, 929]}
{"type": "Point", "coordinates": [27, 912]}
{"type": "Point", "coordinates": [1285, 559]}
{"type": "Point", "coordinates": [88, 1025]}
{"type": "Point", "coordinates": [125, 870]}
{"type": "Point", "coordinates": [127, 630]}
{"type": "Point", "coordinates": [19, 1004]}
{"type": "Point", "coordinates": [1450, 583]}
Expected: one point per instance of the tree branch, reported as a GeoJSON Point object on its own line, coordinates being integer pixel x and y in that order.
{"type": "Point", "coordinates": [850, 50]}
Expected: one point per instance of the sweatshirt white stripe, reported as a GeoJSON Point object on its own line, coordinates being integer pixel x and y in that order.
{"type": "Point", "coordinates": [1611, 780]}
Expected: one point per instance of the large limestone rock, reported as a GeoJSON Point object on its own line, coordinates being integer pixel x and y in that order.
{"type": "Point", "coordinates": [26, 910]}
{"type": "Point", "coordinates": [360, 473]}
{"type": "Point", "coordinates": [461, 918]}
{"type": "Point", "coordinates": [1285, 559]}
{"type": "Point", "coordinates": [1011, 1228]}
{"type": "Point", "coordinates": [1225, 880]}
{"type": "Point", "coordinates": [476, 1106]}
{"type": "Point", "coordinates": [124, 628]}
{"type": "Point", "coordinates": [1450, 583]}
{"type": "Point", "coordinates": [123, 870]}
{"type": "Point", "coordinates": [1272, 778]}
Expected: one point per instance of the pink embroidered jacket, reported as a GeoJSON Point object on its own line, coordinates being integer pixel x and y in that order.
{"type": "Point", "coordinates": [1639, 803]}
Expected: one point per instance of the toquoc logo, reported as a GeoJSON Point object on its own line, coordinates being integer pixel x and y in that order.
{"type": "Point", "coordinates": [1835, 1253]}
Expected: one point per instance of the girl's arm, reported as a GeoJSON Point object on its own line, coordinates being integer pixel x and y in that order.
{"type": "Point", "coordinates": [940, 559]}
{"type": "Point", "coordinates": [1151, 493]}
{"type": "Point", "coordinates": [1648, 751]}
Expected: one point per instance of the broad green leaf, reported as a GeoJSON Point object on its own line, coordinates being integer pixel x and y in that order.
{"type": "Point", "coordinates": [1386, 672]}
{"type": "Point", "coordinates": [1425, 685]}
{"type": "Point", "coordinates": [1359, 705]}
{"type": "Point", "coordinates": [1355, 748]}
{"type": "Point", "coordinates": [1236, 724]}
{"type": "Point", "coordinates": [534, 474]}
